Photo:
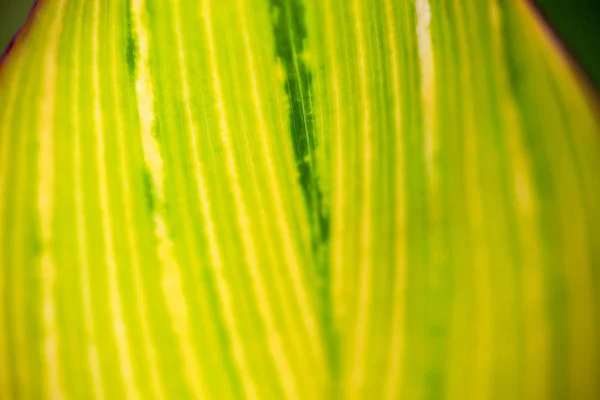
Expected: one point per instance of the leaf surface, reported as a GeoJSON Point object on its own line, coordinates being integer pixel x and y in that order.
{"type": "Point", "coordinates": [296, 199]}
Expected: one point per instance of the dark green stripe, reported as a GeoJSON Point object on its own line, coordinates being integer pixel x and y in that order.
{"type": "Point", "coordinates": [290, 33]}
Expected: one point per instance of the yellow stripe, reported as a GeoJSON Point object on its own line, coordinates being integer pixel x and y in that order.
{"type": "Point", "coordinates": [274, 339]}
{"type": "Point", "coordinates": [215, 252]}
{"type": "Point", "coordinates": [80, 223]}
{"type": "Point", "coordinates": [480, 262]}
{"type": "Point", "coordinates": [536, 340]}
{"type": "Point", "coordinates": [45, 205]}
{"type": "Point", "coordinates": [338, 226]}
{"type": "Point", "coordinates": [290, 253]}
{"type": "Point", "coordinates": [366, 235]}
{"type": "Point", "coordinates": [428, 88]}
{"type": "Point", "coordinates": [148, 342]}
{"type": "Point", "coordinates": [536, 352]}
{"type": "Point", "coordinates": [5, 136]}
{"type": "Point", "coordinates": [171, 280]}
{"type": "Point", "coordinates": [116, 307]}
{"type": "Point", "coordinates": [397, 345]}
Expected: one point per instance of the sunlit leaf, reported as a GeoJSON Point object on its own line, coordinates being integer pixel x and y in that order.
{"type": "Point", "coordinates": [297, 199]}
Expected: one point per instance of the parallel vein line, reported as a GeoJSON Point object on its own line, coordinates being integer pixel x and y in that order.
{"type": "Point", "coordinates": [366, 235]}
{"type": "Point", "coordinates": [45, 204]}
{"type": "Point", "coordinates": [536, 340]}
{"type": "Point", "coordinates": [215, 251]}
{"type": "Point", "coordinates": [116, 306]}
{"type": "Point", "coordinates": [476, 221]}
{"type": "Point", "coordinates": [337, 257]}
{"type": "Point", "coordinates": [274, 340]}
{"type": "Point", "coordinates": [171, 280]}
{"type": "Point", "coordinates": [399, 263]}
{"type": "Point", "coordinates": [140, 297]}
{"type": "Point", "coordinates": [5, 143]}
{"type": "Point", "coordinates": [290, 253]}
{"type": "Point", "coordinates": [92, 355]}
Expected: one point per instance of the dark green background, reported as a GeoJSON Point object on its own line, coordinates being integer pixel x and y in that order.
{"type": "Point", "coordinates": [13, 14]}
{"type": "Point", "coordinates": [576, 22]}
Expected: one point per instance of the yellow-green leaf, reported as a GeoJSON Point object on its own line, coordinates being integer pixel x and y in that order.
{"type": "Point", "coordinates": [297, 199]}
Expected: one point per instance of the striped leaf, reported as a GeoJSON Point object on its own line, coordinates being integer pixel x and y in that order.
{"type": "Point", "coordinates": [297, 199]}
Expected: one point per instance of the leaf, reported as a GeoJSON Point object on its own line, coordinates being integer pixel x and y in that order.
{"type": "Point", "coordinates": [296, 199]}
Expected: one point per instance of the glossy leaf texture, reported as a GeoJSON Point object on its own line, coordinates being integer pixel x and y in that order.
{"type": "Point", "coordinates": [296, 199]}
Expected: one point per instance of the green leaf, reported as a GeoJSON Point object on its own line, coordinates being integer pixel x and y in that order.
{"type": "Point", "coordinates": [296, 199]}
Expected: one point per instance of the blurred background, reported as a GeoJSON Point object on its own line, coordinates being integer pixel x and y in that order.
{"type": "Point", "coordinates": [576, 22]}
{"type": "Point", "coordinates": [13, 14]}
